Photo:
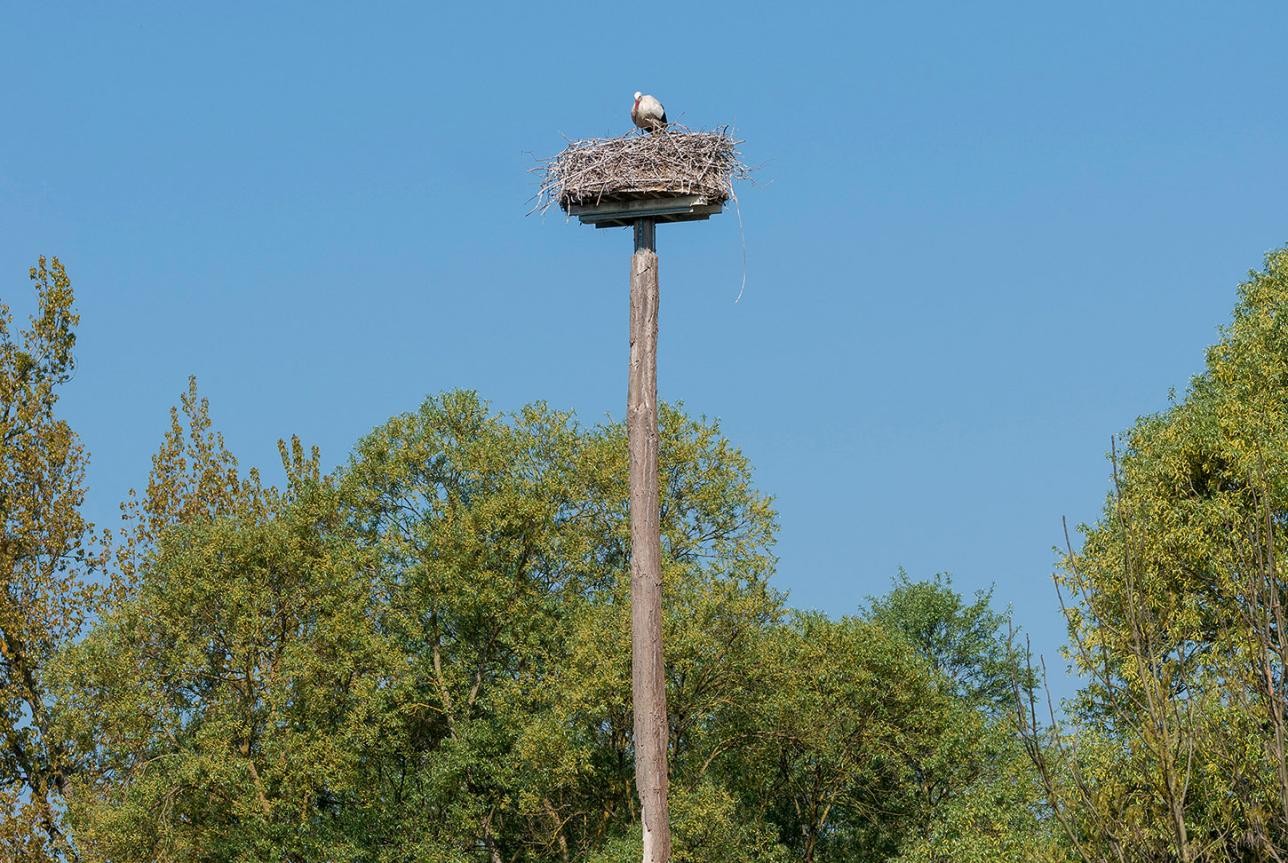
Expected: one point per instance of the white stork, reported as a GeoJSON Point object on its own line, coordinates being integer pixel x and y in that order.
{"type": "Point", "coordinates": [648, 113]}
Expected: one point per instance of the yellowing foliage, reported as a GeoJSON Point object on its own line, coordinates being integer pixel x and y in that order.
{"type": "Point", "coordinates": [45, 556]}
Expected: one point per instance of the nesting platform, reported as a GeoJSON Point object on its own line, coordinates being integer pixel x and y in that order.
{"type": "Point", "coordinates": [660, 208]}
{"type": "Point", "coordinates": [672, 176]}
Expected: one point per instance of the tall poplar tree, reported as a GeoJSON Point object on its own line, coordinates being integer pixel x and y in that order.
{"type": "Point", "coordinates": [45, 554]}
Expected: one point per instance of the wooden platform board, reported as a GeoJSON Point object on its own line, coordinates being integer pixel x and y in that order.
{"type": "Point", "coordinates": [622, 214]}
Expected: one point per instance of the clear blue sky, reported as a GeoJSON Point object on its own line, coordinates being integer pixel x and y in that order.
{"type": "Point", "coordinates": [982, 238]}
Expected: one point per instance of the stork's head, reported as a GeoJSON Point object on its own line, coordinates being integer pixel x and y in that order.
{"type": "Point", "coordinates": [637, 95]}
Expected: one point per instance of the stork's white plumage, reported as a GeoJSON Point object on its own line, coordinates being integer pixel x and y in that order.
{"type": "Point", "coordinates": [648, 113]}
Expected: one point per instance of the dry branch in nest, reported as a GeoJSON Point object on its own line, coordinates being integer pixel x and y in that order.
{"type": "Point", "coordinates": [674, 162]}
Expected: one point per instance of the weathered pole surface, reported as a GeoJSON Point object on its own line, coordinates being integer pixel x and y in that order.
{"type": "Point", "coordinates": [648, 674]}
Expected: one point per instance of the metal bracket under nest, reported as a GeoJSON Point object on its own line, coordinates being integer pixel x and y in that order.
{"type": "Point", "coordinates": [622, 214]}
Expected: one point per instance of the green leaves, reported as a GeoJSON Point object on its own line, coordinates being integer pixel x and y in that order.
{"type": "Point", "coordinates": [47, 550]}
{"type": "Point", "coordinates": [426, 657]}
{"type": "Point", "coordinates": [967, 643]}
{"type": "Point", "coordinates": [1174, 607]}
{"type": "Point", "coordinates": [423, 655]}
{"type": "Point", "coordinates": [229, 691]}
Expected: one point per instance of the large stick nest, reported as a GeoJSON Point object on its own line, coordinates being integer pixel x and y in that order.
{"type": "Point", "coordinates": [671, 163]}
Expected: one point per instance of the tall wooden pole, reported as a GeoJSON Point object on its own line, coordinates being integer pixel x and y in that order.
{"type": "Point", "coordinates": [648, 674]}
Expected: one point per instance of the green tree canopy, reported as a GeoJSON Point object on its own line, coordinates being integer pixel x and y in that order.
{"type": "Point", "coordinates": [379, 665]}
{"type": "Point", "coordinates": [1176, 750]}
{"type": "Point", "coordinates": [426, 656]}
{"type": "Point", "coordinates": [966, 642]}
